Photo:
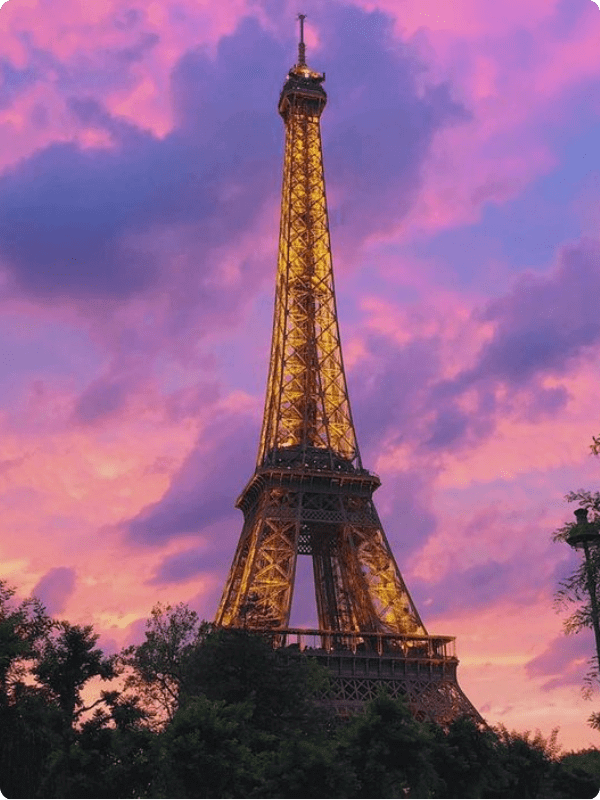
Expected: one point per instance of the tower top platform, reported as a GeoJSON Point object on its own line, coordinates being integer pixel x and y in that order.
{"type": "Point", "coordinates": [302, 83]}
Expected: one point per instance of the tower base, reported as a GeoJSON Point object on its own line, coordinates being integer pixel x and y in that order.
{"type": "Point", "coordinates": [419, 669]}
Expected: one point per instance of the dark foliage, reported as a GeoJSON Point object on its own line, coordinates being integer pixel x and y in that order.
{"type": "Point", "coordinates": [468, 760]}
{"type": "Point", "coordinates": [193, 712]}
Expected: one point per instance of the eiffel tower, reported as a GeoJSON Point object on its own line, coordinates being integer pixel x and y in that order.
{"type": "Point", "coordinates": [310, 495]}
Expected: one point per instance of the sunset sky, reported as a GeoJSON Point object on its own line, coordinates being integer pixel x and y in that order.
{"type": "Point", "coordinates": [140, 170]}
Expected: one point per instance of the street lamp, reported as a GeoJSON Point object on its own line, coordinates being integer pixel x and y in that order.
{"type": "Point", "coordinates": [582, 536]}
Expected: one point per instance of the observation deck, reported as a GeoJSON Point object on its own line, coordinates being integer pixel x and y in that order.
{"type": "Point", "coordinates": [303, 90]}
{"type": "Point", "coordinates": [419, 669]}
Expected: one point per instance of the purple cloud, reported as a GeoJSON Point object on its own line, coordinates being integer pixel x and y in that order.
{"type": "Point", "coordinates": [68, 213]}
{"type": "Point", "coordinates": [565, 659]}
{"type": "Point", "coordinates": [13, 81]}
{"type": "Point", "coordinates": [55, 588]}
{"type": "Point", "coordinates": [474, 587]}
{"type": "Point", "coordinates": [450, 424]}
{"type": "Point", "coordinates": [486, 582]}
{"type": "Point", "coordinates": [203, 490]}
{"type": "Point", "coordinates": [394, 382]}
{"type": "Point", "coordinates": [545, 322]}
{"type": "Point", "coordinates": [100, 399]}
{"type": "Point", "coordinates": [70, 216]}
{"type": "Point", "coordinates": [61, 224]}
{"type": "Point", "coordinates": [181, 566]}
{"type": "Point", "coordinates": [375, 169]}
{"type": "Point", "coordinates": [543, 326]}
{"type": "Point", "coordinates": [404, 505]}
{"type": "Point", "coordinates": [102, 68]}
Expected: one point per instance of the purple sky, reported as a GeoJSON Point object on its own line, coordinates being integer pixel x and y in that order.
{"type": "Point", "coordinates": [140, 168]}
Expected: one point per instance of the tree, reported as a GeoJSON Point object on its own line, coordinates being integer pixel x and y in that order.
{"type": "Point", "coordinates": [243, 716]}
{"type": "Point", "coordinates": [30, 731]}
{"type": "Point", "coordinates": [235, 665]}
{"type": "Point", "coordinates": [182, 658]}
{"type": "Point", "coordinates": [52, 742]}
{"type": "Point", "coordinates": [93, 755]}
{"type": "Point", "coordinates": [390, 752]}
{"type": "Point", "coordinates": [202, 752]}
{"type": "Point", "coordinates": [573, 592]}
{"type": "Point", "coordinates": [469, 760]}
{"type": "Point", "coordinates": [68, 658]}
{"type": "Point", "coordinates": [531, 763]}
{"type": "Point", "coordinates": [478, 761]}
{"type": "Point", "coordinates": [108, 755]}
{"type": "Point", "coordinates": [306, 766]}
{"type": "Point", "coordinates": [27, 726]}
{"type": "Point", "coordinates": [23, 629]}
{"type": "Point", "coordinates": [580, 773]}
{"type": "Point", "coordinates": [245, 722]}
{"type": "Point", "coordinates": [157, 666]}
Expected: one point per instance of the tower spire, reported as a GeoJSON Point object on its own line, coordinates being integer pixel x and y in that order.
{"type": "Point", "coordinates": [301, 45]}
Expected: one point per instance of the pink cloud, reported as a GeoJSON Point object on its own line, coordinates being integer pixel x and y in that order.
{"type": "Point", "coordinates": [134, 418]}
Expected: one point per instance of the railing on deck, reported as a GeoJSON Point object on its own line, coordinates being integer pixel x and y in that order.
{"type": "Point", "coordinates": [363, 643]}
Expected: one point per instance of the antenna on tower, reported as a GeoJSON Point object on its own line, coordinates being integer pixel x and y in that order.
{"type": "Point", "coordinates": [301, 45]}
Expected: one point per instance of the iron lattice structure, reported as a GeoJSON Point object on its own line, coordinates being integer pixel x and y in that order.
{"type": "Point", "coordinates": [310, 494]}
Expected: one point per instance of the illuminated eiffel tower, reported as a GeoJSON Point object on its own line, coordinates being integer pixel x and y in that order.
{"type": "Point", "coordinates": [310, 495]}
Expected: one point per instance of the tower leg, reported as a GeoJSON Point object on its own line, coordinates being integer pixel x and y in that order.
{"type": "Point", "coordinates": [259, 590]}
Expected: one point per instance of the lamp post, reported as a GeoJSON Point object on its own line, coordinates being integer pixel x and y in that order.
{"type": "Point", "coordinates": [584, 535]}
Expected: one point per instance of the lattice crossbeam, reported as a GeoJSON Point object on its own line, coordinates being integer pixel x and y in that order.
{"type": "Point", "coordinates": [307, 399]}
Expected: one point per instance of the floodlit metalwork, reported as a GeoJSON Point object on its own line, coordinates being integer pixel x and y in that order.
{"type": "Point", "coordinates": [307, 399]}
{"type": "Point", "coordinates": [310, 495]}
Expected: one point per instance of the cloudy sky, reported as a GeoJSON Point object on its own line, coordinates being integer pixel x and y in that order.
{"type": "Point", "coordinates": [140, 160]}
